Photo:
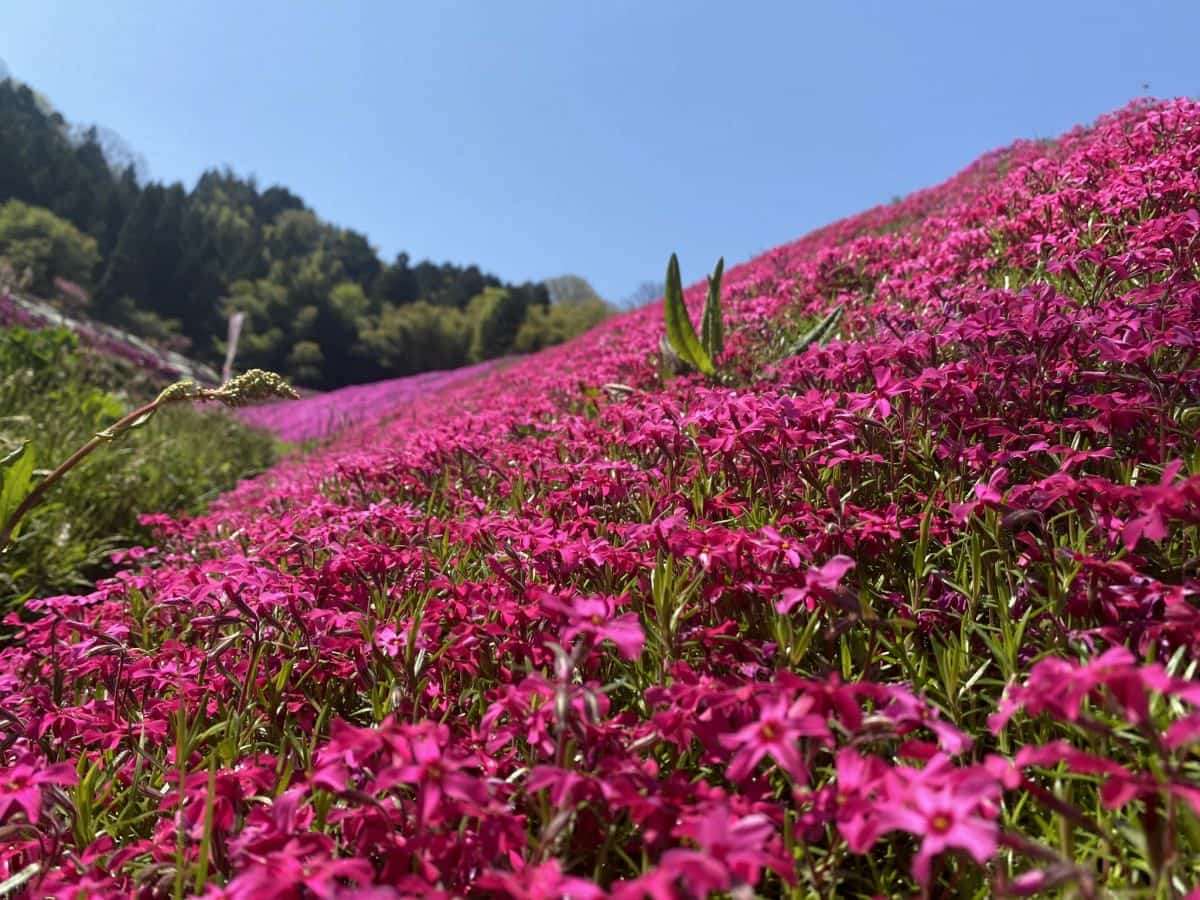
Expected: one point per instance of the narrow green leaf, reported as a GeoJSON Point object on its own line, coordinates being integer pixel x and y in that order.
{"type": "Point", "coordinates": [820, 333]}
{"type": "Point", "coordinates": [16, 484]}
{"type": "Point", "coordinates": [11, 457]}
{"type": "Point", "coordinates": [111, 434]}
{"type": "Point", "coordinates": [680, 332]}
{"type": "Point", "coordinates": [712, 325]}
{"type": "Point", "coordinates": [13, 882]}
{"type": "Point", "coordinates": [206, 837]}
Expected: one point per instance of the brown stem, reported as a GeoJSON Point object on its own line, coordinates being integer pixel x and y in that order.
{"type": "Point", "coordinates": [34, 497]}
{"type": "Point", "coordinates": [247, 387]}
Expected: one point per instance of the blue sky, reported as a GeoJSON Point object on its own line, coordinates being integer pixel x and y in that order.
{"type": "Point", "coordinates": [539, 138]}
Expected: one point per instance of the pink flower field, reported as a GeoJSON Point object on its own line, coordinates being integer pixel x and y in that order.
{"type": "Point", "coordinates": [325, 415]}
{"type": "Point", "coordinates": [912, 611]}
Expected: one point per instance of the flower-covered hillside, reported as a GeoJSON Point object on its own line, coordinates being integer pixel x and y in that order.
{"type": "Point", "coordinates": [325, 415]}
{"type": "Point", "coordinates": [912, 610]}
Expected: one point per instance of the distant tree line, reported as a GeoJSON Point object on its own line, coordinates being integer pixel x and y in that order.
{"type": "Point", "coordinates": [172, 264]}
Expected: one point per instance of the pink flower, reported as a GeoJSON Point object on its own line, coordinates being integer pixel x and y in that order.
{"type": "Point", "coordinates": [542, 882]}
{"type": "Point", "coordinates": [436, 773]}
{"type": "Point", "coordinates": [281, 875]}
{"type": "Point", "coordinates": [21, 787]}
{"type": "Point", "coordinates": [819, 583]}
{"type": "Point", "coordinates": [742, 845]}
{"type": "Point", "coordinates": [389, 641]}
{"type": "Point", "coordinates": [858, 780]}
{"type": "Point", "coordinates": [1059, 687]}
{"type": "Point", "coordinates": [791, 550]}
{"type": "Point", "coordinates": [943, 818]}
{"type": "Point", "coordinates": [946, 807]}
{"type": "Point", "coordinates": [1155, 504]}
{"type": "Point", "coordinates": [777, 732]}
{"type": "Point", "coordinates": [597, 616]}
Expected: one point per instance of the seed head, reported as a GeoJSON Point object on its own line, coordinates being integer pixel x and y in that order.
{"type": "Point", "coordinates": [252, 386]}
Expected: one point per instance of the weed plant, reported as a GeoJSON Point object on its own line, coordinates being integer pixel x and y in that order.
{"type": "Point", "coordinates": [54, 397]}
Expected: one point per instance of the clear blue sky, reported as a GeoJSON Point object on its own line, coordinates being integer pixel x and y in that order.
{"type": "Point", "coordinates": [591, 136]}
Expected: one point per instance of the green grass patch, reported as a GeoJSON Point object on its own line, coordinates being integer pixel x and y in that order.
{"type": "Point", "coordinates": [54, 397]}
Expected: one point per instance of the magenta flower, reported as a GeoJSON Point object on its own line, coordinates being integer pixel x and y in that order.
{"type": "Point", "coordinates": [597, 616]}
{"type": "Point", "coordinates": [398, 646]}
{"type": "Point", "coordinates": [946, 807]}
{"type": "Point", "coordinates": [546, 881]}
{"type": "Point", "coordinates": [21, 787]}
{"type": "Point", "coordinates": [283, 875]}
{"type": "Point", "coordinates": [1059, 687]}
{"type": "Point", "coordinates": [943, 818]}
{"type": "Point", "coordinates": [436, 773]}
{"type": "Point", "coordinates": [744, 846]}
{"type": "Point", "coordinates": [776, 733]}
{"type": "Point", "coordinates": [819, 584]}
{"type": "Point", "coordinates": [859, 779]}
{"type": "Point", "coordinates": [789, 550]}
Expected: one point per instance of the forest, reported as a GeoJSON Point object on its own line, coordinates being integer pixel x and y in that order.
{"type": "Point", "coordinates": [80, 222]}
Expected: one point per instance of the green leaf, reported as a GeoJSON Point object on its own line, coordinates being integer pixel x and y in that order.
{"type": "Point", "coordinates": [820, 333]}
{"type": "Point", "coordinates": [16, 484]}
{"type": "Point", "coordinates": [111, 433]}
{"type": "Point", "coordinates": [11, 457]}
{"type": "Point", "coordinates": [13, 882]}
{"type": "Point", "coordinates": [680, 332]}
{"type": "Point", "coordinates": [712, 325]}
{"type": "Point", "coordinates": [142, 419]}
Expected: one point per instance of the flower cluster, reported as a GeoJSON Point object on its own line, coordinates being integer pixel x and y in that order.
{"type": "Point", "coordinates": [911, 609]}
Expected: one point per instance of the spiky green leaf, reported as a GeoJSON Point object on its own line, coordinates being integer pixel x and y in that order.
{"type": "Point", "coordinates": [712, 325]}
{"type": "Point", "coordinates": [680, 333]}
{"type": "Point", "coordinates": [671, 363]}
{"type": "Point", "coordinates": [820, 333]}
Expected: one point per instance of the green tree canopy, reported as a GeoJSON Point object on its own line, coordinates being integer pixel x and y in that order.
{"type": "Point", "coordinates": [36, 241]}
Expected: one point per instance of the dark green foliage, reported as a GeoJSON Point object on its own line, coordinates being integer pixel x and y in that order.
{"type": "Point", "coordinates": [54, 398]}
{"type": "Point", "coordinates": [415, 337]}
{"type": "Point", "coordinates": [568, 289]}
{"type": "Point", "coordinates": [43, 165]}
{"type": "Point", "coordinates": [320, 305]}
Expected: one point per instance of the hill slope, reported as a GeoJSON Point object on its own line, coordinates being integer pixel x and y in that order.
{"type": "Point", "coordinates": [324, 416]}
{"type": "Point", "coordinates": [913, 608]}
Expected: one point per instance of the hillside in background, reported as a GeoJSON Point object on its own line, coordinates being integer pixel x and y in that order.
{"type": "Point", "coordinates": [150, 361]}
{"type": "Point", "coordinates": [80, 222]}
{"type": "Point", "coordinates": [911, 609]}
